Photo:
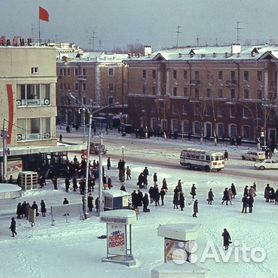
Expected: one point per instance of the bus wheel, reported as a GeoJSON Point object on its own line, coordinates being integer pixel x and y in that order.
{"type": "Point", "coordinates": [218, 170]}
{"type": "Point", "coordinates": [207, 168]}
{"type": "Point", "coordinates": [190, 166]}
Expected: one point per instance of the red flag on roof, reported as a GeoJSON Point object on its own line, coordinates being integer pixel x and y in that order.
{"type": "Point", "coordinates": [44, 14]}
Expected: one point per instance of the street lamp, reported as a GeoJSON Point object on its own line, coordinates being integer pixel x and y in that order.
{"type": "Point", "coordinates": [88, 155]}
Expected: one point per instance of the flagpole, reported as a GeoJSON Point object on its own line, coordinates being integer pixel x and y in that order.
{"type": "Point", "coordinates": [39, 30]}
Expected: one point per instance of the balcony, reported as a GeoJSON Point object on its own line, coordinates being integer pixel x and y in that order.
{"type": "Point", "coordinates": [32, 102]}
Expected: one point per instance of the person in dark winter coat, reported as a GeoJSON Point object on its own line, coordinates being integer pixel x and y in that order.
{"type": "Point", "coordinates": [134, 199]}
{"type": "Point", "coordinates": [97, 204]}
{"type": "Point", "coordinates": [250, 203]}
{"type": "Point", "coordinates": [13, 227]}
{"type": "Point", "coordinates": [109, 182]}
{"type": "Point", "coordinates": [162, 194]}
{"type": "Point", "coordinates": [140, 198]}
{"type": "Point", "coordinates": [226, 155]}
{"type": "Point", "coordinates": [176, 198]}
{"type": "Point", "coordinates": [123, 187]}
{"type": "Point", "coordinates": [179, 185]}
{"type": "Point", "coordinates": [43, 208]}
{"type": "Point", "coordinates": [271, 195]}
{"type": "Point", "coordinates": [244, 204]}
{"type": "Point", "coordinates": [193, 191]}
{"type": "Point", "coordinates": [151, 192]}
{"type": "Point", "coordinates": [164, 185]}
{"type": "Point", "coordinates": [145, 174]}
{"type": "Point", "coordinates": [276, 197]}
{"type": "Point", "coordinates": [182, 199]}
{"type": "Point", "coordinates": [266, 193]}
{"type": "Point", "coordinates": [210, 197]}
{"type": "Point", "coordinates": [226, 239]}
{"type": "Point", "coordinates": [67, 184]}
{"type": "Point", "coordinates": [233, 188]}
{"type": "Point", "coordinates": [54, 181]}
{"type": "Point", "coordinates": [35, 207]}
{"type": "Point", "coordinates": [155, 179]}
{"type": "Point", "coordinates": [195, 208]}
{"type": "Point", "coordinates": [74, 183]}
{"type": "Point", "coordinates": [156, 195]}
{"type": "Point", "coordinates": [90, 202]}
{"type": "Point", "coordinates": [145, 203]}
{"type": "Point", "coordinates": [225, 196]}
{"type": "Point", "coordinates": [140, 180]}
{"type": "Point", "coordinates": [66, 201]}
{"type": "Point", "coordinates": [18, 210]}
{"type": "Point", "coordinates": [108, 163]}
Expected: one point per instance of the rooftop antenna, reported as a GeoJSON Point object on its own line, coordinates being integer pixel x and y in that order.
{"type": "Point", "coordinates": [237, 31]}
{"type": "Point", "coordinates": [93, 41]}
{"type": "Point", "coordinates": [197, 39]}
{"type": "Point", "coordinates": [178, 34]}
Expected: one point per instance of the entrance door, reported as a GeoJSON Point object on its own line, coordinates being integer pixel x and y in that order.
{"type": "Point", "coordinates": [208, 130]}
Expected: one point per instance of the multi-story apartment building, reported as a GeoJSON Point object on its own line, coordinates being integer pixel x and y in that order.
{"type": "Point", "coordinates": [28, 106]}
{"type": "Point", "coordinates": [206, 91]}
{"type": "Point", "coordinates": [95, 79]}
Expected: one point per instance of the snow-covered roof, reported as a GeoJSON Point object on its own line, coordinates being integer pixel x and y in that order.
{"type": "Point", "coordinates": [232, 52]}
{"type": "Point", "coordinates": [113, 193]}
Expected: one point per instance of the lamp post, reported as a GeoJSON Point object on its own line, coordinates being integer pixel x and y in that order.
{"type": "Point", "coordinates": [123, 153]}
{"type": "Point", "coordinates": [88, 156]}
{"type": "Point", "coordinates": [100, 152]}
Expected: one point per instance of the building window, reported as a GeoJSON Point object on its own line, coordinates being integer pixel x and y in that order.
{"type": "Point", "coordinates": [174, 74]}
{"type": "Point", "coordinates": [197, 75]}
{"type": "Point", "coordinates": [196, 92]}
{"type": "Point", "coordinates": [220, 75]}
{"type": "Point", "coordinates": [185, 74]}
{"type": "Point", "coordinates": [110, 100]}
{"type": "Point", "coordinates": [76, 71]}
{"type": "Point", "coordinates": [68, 71]}
{"type": "Point", "coordinates": [233, 131]}
{"type": "Point", "coordinates": [144, 90]}
{"type": "Point", "coordinates": [69, 87]}
{"type": "Point", "coordinates": [175, 125]}
{"type": "Point", "coordinates": [232, 93]}
{"type": "Point", "coordinates": [246, 132]}
{"type": "Point", "coordinates": [233, 75]}
{"type": "Point", "coordinates": [64, 71]}
{"type": "Point", "coordinates": [259, 94]}
{"type": "Point", "coordinates": [260, 76]}
{"type": "Point", "coordinates": [154, 74]}
{"type": "Point", "coordinates": [60, 71]}
{"type": "Point", "coordinates": [232, 111]}
{"type": "Point", "coordinates": [144, 73]}
{"type": "Point", "coordinates": [111, 87]}
{"type": "Point", "coordinates": [184, 109]}
{"type": "Point", "coordinates": [220, 111]}
{"type": "Point", "coordinates": [246, 94]}
{"type": "Point", "coordinates": [35, 70]}
{"type": "Point", "coordinates": [175, 90]}
{"type": "Point", "coordinates": [208, 92]}
{"type": "Point", "coordinates": [197, 128]}
{"type": "Point", "coordinates": [245, 113]}
{"type": "Point", "coordinates": [185, 92]}
{"type": "Point", "coordinates": [246, 75]}
{"type": "Point", "coordinates": [154, 90]}
{"type": "Point", "coordinates": [173, 108]}
{"type": "Point", "coordinates": [84, 86]}
{"type": "Point", "coordinates": [76, 86]}
{"type": "Point", "coordinates": [220, 130]}
{"type": "Point", "coordinates": [84, 71]}
{"type": "Point", "coordinates": [61, 86]}
{"type": "Point", "coordinates": [110, 71]}
{"type": "Point", "coordinates": [220, 93]}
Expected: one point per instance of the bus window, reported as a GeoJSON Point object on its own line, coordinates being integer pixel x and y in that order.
{"type": "Point", "coordinates": [208, 158]}
{"type": "Point", "coordinates": [202, 157]}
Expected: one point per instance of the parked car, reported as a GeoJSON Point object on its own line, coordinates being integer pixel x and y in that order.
{"type": "Point", "coordinates": [94, 148]}
{"type": "Point", "coordinates": [267, 164]}
{"type": "Point", "coordinates": [253, 155]}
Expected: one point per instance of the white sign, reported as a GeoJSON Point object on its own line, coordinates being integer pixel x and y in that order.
{"type": "Point", "coordinates": [116, 239]}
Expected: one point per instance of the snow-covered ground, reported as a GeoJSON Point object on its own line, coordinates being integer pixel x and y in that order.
{"type": "Point", "coordinates": [73, 250]}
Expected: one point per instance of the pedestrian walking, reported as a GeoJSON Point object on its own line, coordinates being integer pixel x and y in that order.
{"type": "Point", "coordinates": [108, 163]}
{"type": "Point", "coordinates": [18, 210]}
{"type": "Point", "coordinates": [13, 227]}
{"type": "Point", "coordinates": [162, 194]}
{"type": "Point", "coordinates": [250, 203]}
{"type": "Point", "coordinates": [90, 202]}
{"type": "Point", "coordinates": [225, 196]}
{"type": "Point", "coordinates": [193, 191]}
{"type": "Point", "coordinates": [176, 198]}
{"type": "Point", "coordinates": [67, 184]}
{"type": "Point", "coordinates": [195, 208]}
{"type": "Point", "coordinates": [54, 181]}
{"type": "Point", "coordinates": [226, 155]}
{"type": "Point", "coordinates": [128, 173]}
{"type": "Point", "coordinates": [35, 208]}
{"type": "Point", "coordinates": [226, 239]}
{"type": "Point", "coordinates": [164, 185]}
{"type": "Point", "coordinates": [244, 203]}
{"type": "Point", "coordinates": [146, 203]}
{"type": "Point", "coordinates": [182, 199]}
{"type": "Point", "coordinates": [43, 208]}
{"type": "Point", "coordinates": [233, 188]}
{"type": "Point", "coordinates": [210, 197]}
{"type": "Point", "coordinates": [155, 178]}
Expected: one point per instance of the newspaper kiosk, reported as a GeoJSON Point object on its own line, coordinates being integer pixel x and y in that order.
{"type": "Point", "coordinates": [115, 199]}
{"type": "Point", "coordinates": [118, 232]}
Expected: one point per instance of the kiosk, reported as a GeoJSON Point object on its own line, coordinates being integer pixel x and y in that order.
{"type": "Point", "coordinates": [118, 233]}
{"type": "Point", "coordinates": [179, 245]}
{"type": "Point", "coordinates": [115, 199]}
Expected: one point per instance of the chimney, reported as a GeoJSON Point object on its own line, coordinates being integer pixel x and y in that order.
{"type": "Point", "coordinates": [147, 50]}
{"type": "Point", "coordinates": [235, 49]}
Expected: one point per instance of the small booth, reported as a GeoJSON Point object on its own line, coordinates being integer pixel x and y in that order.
{"type": "Point", "coordinates": [118, 233]}
{"type": "Point", "coordinates": [115, 199]}
{"type": "Point", "coordinates": [9, 191]}
{"type": "Point", "coordinates": [28, 180]}
{"type": "Point", "coordinates": [179, 248]}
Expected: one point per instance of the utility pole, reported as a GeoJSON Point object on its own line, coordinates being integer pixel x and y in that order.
{"type": "Point", "coordinates": [237, 31]}
{"type": "Point", "coordinates": [100, 187]}
{"type": "Point", "coordinates": [5, 152]}
{"type": "Point", "coordinates": [93, 41]}
{"type": "Point", "coordinates": [197, 39]}
{"type": "Point", "coordinates": [178, 34]}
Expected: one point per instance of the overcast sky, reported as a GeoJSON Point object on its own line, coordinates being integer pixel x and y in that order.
{"type": "Point", "coordinates": [153, 22]}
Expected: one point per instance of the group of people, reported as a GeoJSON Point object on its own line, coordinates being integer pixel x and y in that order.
{"type": "Point", "coordinates": [23, 210]}
{"type": "Point", "coordinates": [270, 195]}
